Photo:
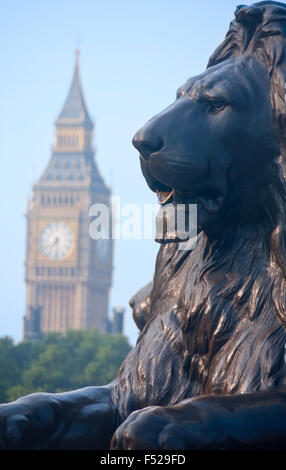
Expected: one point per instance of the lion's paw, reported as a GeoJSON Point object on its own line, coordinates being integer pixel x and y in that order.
{"type": "Point", "coordinates": [150, 428]}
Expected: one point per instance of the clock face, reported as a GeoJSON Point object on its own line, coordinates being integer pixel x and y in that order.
{"type": "Point", "coordinates": [103, 249]}
{"type": "Point", "coordinates": [56, 240]}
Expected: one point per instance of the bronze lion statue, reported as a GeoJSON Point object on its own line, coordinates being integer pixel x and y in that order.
{"type": "Point", "coordinates": [208, 370]}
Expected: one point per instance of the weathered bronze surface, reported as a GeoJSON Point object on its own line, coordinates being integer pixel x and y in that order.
{"type": "Point", "coordinates": [208, 370]}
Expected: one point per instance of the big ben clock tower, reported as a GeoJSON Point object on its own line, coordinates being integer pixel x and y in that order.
{"type": "Point", "coordinates": [68, 275]}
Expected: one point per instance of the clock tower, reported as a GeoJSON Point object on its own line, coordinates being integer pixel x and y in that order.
{"type": "Point", "coordinates": [68, 274]}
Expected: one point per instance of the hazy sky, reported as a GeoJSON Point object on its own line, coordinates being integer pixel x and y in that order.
{"type": "Point", "coordinates": [134, 55]}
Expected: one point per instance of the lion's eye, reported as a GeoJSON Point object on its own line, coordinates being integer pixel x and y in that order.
{"type": "Point", "coordinates": [217, 106]}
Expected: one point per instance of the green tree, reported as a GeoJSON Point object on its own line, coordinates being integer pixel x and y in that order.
{"type": "Point", "coordinates": [59, 363]}
{"type": "Point", "coordinates": [10, 372]}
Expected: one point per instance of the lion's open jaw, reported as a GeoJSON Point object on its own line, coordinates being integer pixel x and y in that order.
{"type": "Point", "coordinates": [176, 220]}
{"type": "Point", "coordinates": [212, 201]}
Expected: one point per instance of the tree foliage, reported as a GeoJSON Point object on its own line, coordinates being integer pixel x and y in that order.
{"type": "Point", "coordinates": [59, 363]}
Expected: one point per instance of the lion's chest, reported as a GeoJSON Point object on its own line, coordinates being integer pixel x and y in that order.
{"type": "Point", "coordinates": [153, 371]}
{"type": "Point", "coordinates": [171, 362]}
{"type": "Point", "coordinates": [166, 366]}
{"type": "Point", "coordinates": [214, 330]}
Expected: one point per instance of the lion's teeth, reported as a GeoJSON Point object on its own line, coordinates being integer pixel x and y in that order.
{"type": "Point", "coordinates": [211, 204]}
{"type": "Point", "coordinates": [161, 196]}
{"type": "Point", "coordinates": [164, 196]}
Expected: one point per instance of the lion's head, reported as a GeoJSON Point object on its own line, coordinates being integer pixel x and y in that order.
{"type": "Point", "coordinates": [218, 145]}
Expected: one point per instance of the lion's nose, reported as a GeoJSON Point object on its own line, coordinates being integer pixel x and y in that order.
{"type": "Point", "coordinates": [146, 143]}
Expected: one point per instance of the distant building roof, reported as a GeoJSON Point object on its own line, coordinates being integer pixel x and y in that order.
{"type": "Point", "coordinates": [77, 169]}
{"type": "Point", "coordinates": [74, 111]}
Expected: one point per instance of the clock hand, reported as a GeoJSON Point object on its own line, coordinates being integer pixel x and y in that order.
{"type": "Point", "coordinates": [55, 241]}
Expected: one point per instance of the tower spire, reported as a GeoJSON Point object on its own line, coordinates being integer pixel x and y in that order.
{"type": "Point", "coordinates": [77, 52]}
{"type": "Point", "coordinates": [74, 111]}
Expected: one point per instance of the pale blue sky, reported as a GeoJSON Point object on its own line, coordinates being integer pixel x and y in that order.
{"type": "Point", "coordinates": [134, 55]}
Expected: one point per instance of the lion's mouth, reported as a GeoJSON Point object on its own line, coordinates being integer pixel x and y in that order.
{"type": "Point", "coordinates": [177, 219]}
{"type": "Point", "coordinates": [211, 200]}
